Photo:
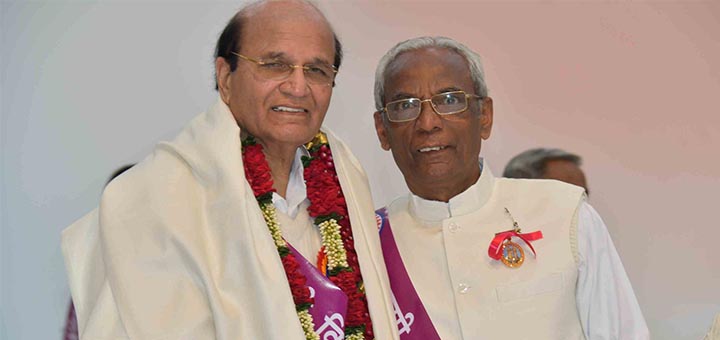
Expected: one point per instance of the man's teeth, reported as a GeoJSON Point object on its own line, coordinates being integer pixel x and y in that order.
{"type": "Point", "coordinates": [287, 109]}
{"type": "Point", "coordinates": [431, 148]}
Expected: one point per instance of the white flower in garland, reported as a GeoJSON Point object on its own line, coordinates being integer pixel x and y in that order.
{"type": "Point", "coordinates": [356, 336]}
{"type": "Point", "coordinates": [306, 320]}
{"type": "Point", "coordinates": [333, 244]}
{"type": "Point", "coordinates": [268, 211]}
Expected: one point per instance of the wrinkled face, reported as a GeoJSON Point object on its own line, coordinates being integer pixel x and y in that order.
{"type": "Point", "coordinates": [279, 112]}
{"type": "Point", "coordinates": [434, 152]}
{"type": "Point", "coordinates": [565, 171]}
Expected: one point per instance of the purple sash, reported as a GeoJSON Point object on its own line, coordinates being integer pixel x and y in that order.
{"type": "Point", "coordinates": [330, 305]}
{"type": "Point", "coordinates": [412, 319]}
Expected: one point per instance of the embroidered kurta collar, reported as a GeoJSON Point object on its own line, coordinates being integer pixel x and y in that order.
{"type": "Point", "coordinates": [466, 202]}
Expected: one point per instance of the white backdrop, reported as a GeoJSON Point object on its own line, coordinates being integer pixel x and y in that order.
{"type": "Point", "coordinates": [88, 86]}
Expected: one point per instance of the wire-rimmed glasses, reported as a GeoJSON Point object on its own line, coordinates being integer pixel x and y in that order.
{"type": "Point", "coordinates": [446, 103]}
{"type": "Point", "coordinates": [273, 69]}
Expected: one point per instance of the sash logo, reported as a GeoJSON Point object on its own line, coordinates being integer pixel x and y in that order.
{"type": "Point", "coordinates": [403, 321]}
{"type": "Point", "coordinates": [378, 220]}
{"type": "Point", "coordinates": [332, 328]}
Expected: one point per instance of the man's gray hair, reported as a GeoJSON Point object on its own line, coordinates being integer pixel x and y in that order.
{"type": "Point", "coordinates": [473, 60]}
{"type": "Point", "coordinates": [531, 163]}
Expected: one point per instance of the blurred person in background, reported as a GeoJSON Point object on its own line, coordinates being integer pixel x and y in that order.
{"type": "Point", "coordinates": [546, 163]}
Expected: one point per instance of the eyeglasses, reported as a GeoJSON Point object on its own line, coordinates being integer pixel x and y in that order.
{"type": "Point", "coordinates": [444, 104]}
{"type": "Point", "coordinates": [318, 74]}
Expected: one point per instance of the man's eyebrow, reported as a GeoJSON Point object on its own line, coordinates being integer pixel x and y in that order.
{"type": "Point", "coordinates": [449, 89]}
{"type": "Point", "coordinates": [401, 95]}
{"type": "Point", "coordinates": [283, 57]}
{"type": "Point", "coordinates": [318, 60]}
{"type": "Point", "coordinates": [272, 56]}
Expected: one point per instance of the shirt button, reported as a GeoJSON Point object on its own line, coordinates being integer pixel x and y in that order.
{"type": "Point", "coordinates": [463, 288]}
{"type": "Point", "coordinates": [453, 227]}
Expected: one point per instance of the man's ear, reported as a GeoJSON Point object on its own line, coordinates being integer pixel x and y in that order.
{"type": "Point", "coordinates": [222, 74]}
{"type": "Point", "coordinates": [486, 118]}
{"type": "Point", "coordinates": [381, 130]}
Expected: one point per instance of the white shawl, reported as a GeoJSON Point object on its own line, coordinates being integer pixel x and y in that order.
{"type": "Point", "coordinates": [178, 248]}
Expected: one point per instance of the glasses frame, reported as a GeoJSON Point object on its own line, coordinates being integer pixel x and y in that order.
{"type": "Point", "coordinates": [292, 66]}
{"type": "Point", "coordinates": [467, 104]}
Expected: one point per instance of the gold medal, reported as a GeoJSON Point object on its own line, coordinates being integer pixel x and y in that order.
{"type": "Point", "coordinates": [502, 247]}
{"type": "Point", "coordinates": [512, 254]}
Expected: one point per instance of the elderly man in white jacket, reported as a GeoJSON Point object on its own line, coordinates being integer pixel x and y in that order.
{"type": "Point", "coordinates": [460, 247]}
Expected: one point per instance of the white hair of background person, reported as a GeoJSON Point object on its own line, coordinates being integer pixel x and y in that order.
{"type": "Point", "coordinates": [531, 163]}
{"type": "Point", "coordinates": [473, 59]}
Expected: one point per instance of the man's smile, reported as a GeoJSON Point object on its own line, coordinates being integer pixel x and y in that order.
{"type": "Point", "coordinates": [282, 108]}
{"type": "Point", "coordinates": [426, 149]}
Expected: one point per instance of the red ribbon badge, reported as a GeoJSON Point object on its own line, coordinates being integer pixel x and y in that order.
{"type": "Point", "coordinates": [495, 250]}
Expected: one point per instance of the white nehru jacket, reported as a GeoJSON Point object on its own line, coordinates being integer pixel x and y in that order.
{"type": "Point", "coordinates": [576, 288]}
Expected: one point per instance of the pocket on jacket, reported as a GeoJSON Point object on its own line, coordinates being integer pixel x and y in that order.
{"type": "Point", "coordinates": [525, 289]}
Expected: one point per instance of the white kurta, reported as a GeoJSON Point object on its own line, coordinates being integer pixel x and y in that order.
{"type": "Point", "coordinates": [433, 241]}
{"type": "Point", "coordinates": [178, 248]}
{"type": "Point", "coordinates": [295, 222]}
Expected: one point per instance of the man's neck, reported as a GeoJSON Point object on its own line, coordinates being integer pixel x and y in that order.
{"type": "Point", "coordinates": [280, 160]}
{"type": "Point", "coordinates": [443, 192]}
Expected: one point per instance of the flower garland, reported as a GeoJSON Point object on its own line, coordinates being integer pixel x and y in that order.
{"type": "Point", "coordinates": [329, 209]}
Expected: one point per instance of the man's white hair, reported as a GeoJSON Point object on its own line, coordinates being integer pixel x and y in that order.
{"type": "Point", "coordinates": [473, 60]}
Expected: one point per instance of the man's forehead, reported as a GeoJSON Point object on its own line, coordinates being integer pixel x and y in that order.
{"type": "Point", "coordinates": [428, 57]}
{"type": "Point", "coordinates": [267, 14]}
{"type": "Point", "coordinates": [284, 8]}
{"type": "Point", "coordinates": [279, 23]}
{"type": "Point", "coordinates": [436, 67]}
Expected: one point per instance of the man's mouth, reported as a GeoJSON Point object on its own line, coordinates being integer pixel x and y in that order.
{"type": "Point", "coordinates": [288, 109]}
{"type": "Point", "coordinates": [431, 148]}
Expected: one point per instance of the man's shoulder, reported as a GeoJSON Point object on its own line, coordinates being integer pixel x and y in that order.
{"type": "Point", "coordinates": [343, 154]}
{"type": "Point", "coordinates": [159, 173]}
{"type": "Point", "coordinates": [541, 188]}
{"type": "Point", "coordinates": [192, 157]}
{"type": "Point", "coordinates": [163, 187]}
{"type": "Point", "coordinates": [539, 196]}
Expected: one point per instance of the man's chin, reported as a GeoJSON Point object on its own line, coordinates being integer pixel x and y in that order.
{"type": "Point", "coordinates": [438, 168]}
{"type": "Point", "coordinates": [296, 135]}
{"type": "Point", "coordinates": [436, 173]}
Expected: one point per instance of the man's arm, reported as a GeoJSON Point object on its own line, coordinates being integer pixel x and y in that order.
{"type": "Point", "coordinates": [606, 303]}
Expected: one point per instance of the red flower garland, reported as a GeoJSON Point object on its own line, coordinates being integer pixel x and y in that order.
{"type": "Point", "coordinates": [257, 172]}
{"type": "Point", "coordinates": [326, 201]}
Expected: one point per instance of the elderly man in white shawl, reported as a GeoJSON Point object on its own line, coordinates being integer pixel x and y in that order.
{"type": "Point", "coordinates": [216, 234]}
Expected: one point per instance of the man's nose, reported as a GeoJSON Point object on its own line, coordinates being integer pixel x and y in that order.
{"type": "Point", "coordinates": [428, 120]}
{"type": "Point", "coordinates": [296, 84]}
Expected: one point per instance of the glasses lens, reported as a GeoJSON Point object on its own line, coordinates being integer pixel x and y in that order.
{"type": "Point", "coordinates": [274, 70]}
{"type": "Point", "coordinates": [319, 74]}
{"type": "Point", "coordinates": [450, 102]}
{"type": "Point", "coordinates": [403, 110]}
